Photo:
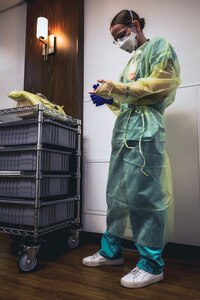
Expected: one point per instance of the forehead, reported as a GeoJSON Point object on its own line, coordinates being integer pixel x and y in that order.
{"type": "Point", "coordinates": [116, 29]}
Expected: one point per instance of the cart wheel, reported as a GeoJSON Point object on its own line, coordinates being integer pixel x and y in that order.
{"type": "Point", "coordinates": [72, 241]}
{"type": "Point", "coordinates": [25, 266]}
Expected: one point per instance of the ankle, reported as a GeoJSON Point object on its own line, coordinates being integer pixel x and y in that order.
{"type": "Point", "coordinates": [111, 255]}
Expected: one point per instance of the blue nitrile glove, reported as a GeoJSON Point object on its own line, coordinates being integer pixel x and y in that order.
{"type": "Point", "coordinates": [95, 86]}
{"type": "Point", "coordinates": [98, 101]}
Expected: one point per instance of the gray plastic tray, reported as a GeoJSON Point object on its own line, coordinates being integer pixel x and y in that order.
{"type": "Point", "coordinates": [26, 133]}
{"type": "Point", "coordinates": [54, 187]}
{"type": "Point", "coordinates": [19, 214]}
{"type": "Point", "coordinates": [26, 160]}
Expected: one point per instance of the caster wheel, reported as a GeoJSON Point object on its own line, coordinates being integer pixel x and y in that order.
{"type": "Point", "coordinates": [25, 266]}
{"type": "Point", "coordinates": [72, 242]}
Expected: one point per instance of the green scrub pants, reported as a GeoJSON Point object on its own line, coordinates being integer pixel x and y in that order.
{"type": "Point", "coordinates": [150, 258]}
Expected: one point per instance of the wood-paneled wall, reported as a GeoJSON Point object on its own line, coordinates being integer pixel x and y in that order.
{"type": "Point", "coordinates": [60, 78]}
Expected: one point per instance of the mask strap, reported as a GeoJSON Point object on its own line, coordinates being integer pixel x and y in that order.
{"type": "Point", "coordinates": [131, 14]}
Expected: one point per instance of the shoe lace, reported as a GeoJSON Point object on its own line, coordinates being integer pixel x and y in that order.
{"type": "Point", "coordinates": [135, 272]}
{"type": "Point", "coordinates": [95, 255]}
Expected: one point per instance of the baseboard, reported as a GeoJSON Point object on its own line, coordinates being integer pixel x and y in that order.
{"type": "Point", "coordinates": [182, 251]}
{"type": "Point", "coordinates": [172, 250]}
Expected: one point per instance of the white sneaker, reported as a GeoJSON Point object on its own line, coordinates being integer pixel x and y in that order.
{"type": "Point", "coordinates": [96, 260]}
{"type": "Point", "coordinates": [139, 278]}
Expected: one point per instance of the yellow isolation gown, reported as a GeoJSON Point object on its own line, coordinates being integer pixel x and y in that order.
{"type": "Point", "coordinates": [139, 187]}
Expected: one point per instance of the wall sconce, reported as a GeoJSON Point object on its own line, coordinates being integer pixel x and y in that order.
{"type": "Point", "coordinates": [42, 34]}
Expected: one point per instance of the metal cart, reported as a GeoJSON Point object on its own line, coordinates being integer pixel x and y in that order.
{"type": "Point", "coordinates": [40, 153]}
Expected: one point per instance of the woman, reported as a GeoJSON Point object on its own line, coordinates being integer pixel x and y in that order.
{"type": "Point", "coordinates": [139, 189]}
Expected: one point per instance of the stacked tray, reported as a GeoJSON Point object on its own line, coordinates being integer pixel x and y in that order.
{"type": "Point", "coordinates": [25, 159]}
{"type": "Point", "coordinates": [25, 132]}
{"type": "Point", "coordinates": [50, 213]}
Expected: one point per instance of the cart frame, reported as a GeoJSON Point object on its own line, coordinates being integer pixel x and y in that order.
{"type": "Point", "coordinates": [34, 234]}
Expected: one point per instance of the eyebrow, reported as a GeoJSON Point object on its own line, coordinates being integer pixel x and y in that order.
{"type": "Point", "coordinates": [119, 33]}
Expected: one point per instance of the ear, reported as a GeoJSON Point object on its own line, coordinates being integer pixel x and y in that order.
{"type": "Point", "coordinates": [136, 26]}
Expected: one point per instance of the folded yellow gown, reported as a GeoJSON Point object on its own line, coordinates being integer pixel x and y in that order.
{"type": "Point", "coordinates": [24, 98]}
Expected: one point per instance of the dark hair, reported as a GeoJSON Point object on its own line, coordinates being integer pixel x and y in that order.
{"type": "Point", "coordinates": [124, 17]}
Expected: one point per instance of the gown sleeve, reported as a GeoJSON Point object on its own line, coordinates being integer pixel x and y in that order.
{"type": "Point", "coordinates": [163, 79]}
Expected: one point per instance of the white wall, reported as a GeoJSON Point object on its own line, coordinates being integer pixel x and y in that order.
{"type": "Point", "coordinates": [12, 52]}
{"type": "Point", "coordinates": [179, 22]}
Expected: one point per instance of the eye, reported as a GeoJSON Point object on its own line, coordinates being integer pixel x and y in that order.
{"type": "Point", "coordinates": [121, 35]}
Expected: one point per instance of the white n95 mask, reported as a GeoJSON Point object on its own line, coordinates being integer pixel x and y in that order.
{"type": "Point", "coordinates": [128, 43]}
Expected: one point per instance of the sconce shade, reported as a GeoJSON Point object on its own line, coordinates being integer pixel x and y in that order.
{"type": "Point", "coordinates": [42, 28]}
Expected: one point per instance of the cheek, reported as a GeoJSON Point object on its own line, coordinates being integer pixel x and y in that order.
{"type": "Point", "coordinates": [128, 32]}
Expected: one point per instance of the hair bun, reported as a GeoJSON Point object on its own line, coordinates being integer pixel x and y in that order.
{"type": "Point", "coordinates": [142, 22]}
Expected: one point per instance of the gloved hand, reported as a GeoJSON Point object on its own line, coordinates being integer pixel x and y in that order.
{"type": "Point", "coordinates": [98, 101]}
